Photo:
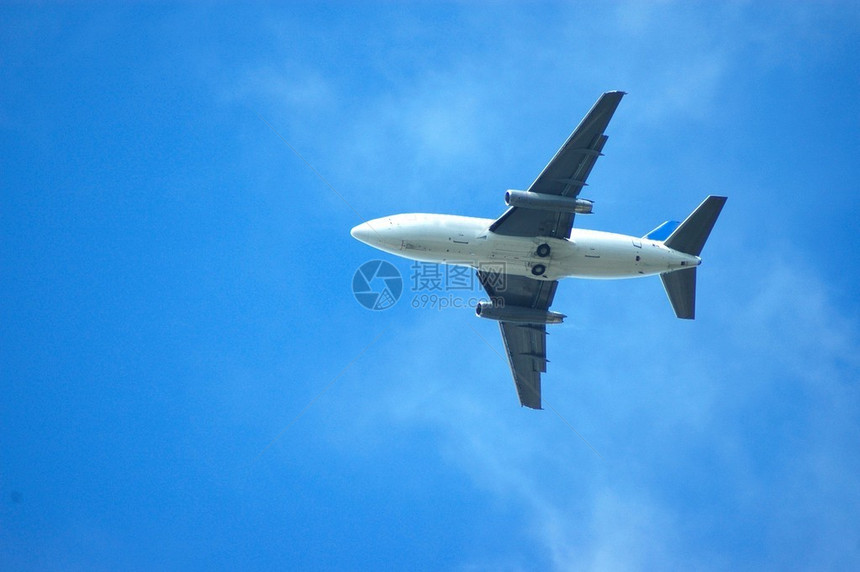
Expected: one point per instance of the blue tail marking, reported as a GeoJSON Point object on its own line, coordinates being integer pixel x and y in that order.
{"type": "Point", "coordinates": [663, 231]}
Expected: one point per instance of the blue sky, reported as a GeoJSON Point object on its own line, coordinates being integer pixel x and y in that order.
{"type": "Point", "coordinates": [175, 289]}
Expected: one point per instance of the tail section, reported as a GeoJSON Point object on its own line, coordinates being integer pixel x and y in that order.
{"type": "Point", "coordinates": [681, 289]}
{"type": "Point", "coordinates": [663, 231]}
{"type": "Point", "coordinates": [689, 238]}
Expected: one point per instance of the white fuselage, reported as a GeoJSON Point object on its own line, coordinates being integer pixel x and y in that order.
{"type": "Point", "coordinates": [467, 241]}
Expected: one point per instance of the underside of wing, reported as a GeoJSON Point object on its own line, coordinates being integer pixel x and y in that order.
{"type": "Point", "coordinates": [525, 343]}
{"type": "Point", "coordinates": [526, 348]}
{"type": "Point", "coordinates": [565, 175]}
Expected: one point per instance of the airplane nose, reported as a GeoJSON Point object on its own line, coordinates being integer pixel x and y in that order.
{"type": "Point", "coordinates": [362, 232]}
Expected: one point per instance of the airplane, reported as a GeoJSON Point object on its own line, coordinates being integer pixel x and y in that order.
{"type": "Point", "coordinates": [520, 256]}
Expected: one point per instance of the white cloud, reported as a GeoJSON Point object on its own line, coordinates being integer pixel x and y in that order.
{"type": "Point", "coordinates": [292, 88]}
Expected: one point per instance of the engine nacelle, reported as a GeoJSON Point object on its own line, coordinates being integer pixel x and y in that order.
{"type": "Point", "coordinates": [544, 202]}
{"type": "Point", "coordinates": [518, 314]}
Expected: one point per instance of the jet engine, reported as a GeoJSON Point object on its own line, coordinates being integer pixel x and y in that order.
{"type": "Point", "coordinates": [518, 314]}
{"type": "Point", "coordinates": [545, 202]}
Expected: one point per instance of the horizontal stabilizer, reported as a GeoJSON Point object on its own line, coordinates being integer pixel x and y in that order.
{"type": "Point", "coordinates": [690, 237]}
{"type": "Point", "coordinates": [681, 289]}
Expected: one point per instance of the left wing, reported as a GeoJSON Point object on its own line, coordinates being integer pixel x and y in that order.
{"type": "Point", "coordinates": [565, 175]}
{"type": "Point", "coordinates": [524, 343]}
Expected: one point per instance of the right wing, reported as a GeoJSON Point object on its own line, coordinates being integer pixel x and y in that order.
{"type": "Point", "coordinates": [565, 175]}
{"type": "Point", "coordinates": [525, 344]}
